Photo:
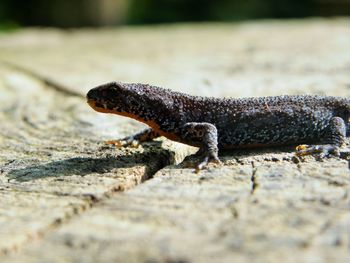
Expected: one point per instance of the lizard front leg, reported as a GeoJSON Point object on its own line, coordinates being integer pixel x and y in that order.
{"type": "Point", "coordinates": [205, 135]}
{"type": "Point", "coordinates": [135, 140]}
{"type": "Point", "coordinates": [334, 136]}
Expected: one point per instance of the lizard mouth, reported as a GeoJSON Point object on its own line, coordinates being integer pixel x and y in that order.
{"type": "Point", "coordinates": [100, 107]}
{"type": "Point", "coordinates": [91, 103]}
{"type": "Point", "coordinates": [96, 105]}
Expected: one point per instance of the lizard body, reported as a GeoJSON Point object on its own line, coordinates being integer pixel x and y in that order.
{"type": "Point", "coordinates": [214, 123]}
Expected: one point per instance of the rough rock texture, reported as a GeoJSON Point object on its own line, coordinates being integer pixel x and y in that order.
{"type": "Point", "coordinates": [67, 197]}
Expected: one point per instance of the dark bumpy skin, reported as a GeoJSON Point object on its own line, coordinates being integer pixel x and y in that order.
{"type": "Point", "coordinates": [213, 123]}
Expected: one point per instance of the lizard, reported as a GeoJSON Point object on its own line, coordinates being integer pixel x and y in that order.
{"type": "Point", "coordinates": [227, 123]}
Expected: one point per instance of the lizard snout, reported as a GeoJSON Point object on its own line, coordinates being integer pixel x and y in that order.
{"type": "Point", "coordinates": [93, 94]}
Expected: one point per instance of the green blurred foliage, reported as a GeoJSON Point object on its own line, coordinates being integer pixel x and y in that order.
{"type": "Point", "coordinates": [65, 13]}
{"type": "Point", "coordinates": [44, 12]}
{"type": "Point", "coordinates": [2, 10]}
{"type": "Point", "coordinates": [6, 23]}
{"type": "Point", "coordinates": [155, 11]}
{"type": "Point", "coordinates": [75, 13]}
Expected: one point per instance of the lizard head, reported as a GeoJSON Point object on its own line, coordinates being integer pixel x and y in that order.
{"type": "Point", "coordinates": [106, 97]}
{"type": "Point", "coordinates": [138, 101]}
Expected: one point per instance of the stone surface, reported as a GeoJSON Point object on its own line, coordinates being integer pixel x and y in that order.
{"type": "Point", "coordinates": [67, 197]}
{"type": "Point", "coordinates": [52, 156]}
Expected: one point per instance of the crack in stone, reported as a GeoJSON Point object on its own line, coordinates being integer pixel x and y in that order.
{"type": "Point", "coordinates": [253, 179]}
{"type": "Point", "coordinates": [47, 81]}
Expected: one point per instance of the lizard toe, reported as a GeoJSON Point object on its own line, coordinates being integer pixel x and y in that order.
{"type": "Point", "coordinates": [130, 142]}
{"type": "Point", "coordinates": [116, 143]}
{"type": "Point", "coordinates": [322, 151]}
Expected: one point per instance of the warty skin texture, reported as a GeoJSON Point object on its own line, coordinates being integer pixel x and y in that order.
{"type": "Point", "coordinates": [213, 123]}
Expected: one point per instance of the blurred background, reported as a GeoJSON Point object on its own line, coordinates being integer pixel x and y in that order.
{"type": "Point", "coordinates": [83, 13]}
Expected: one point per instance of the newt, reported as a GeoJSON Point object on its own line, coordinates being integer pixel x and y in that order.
{"type": "Point", "coordinates": [227, 123]}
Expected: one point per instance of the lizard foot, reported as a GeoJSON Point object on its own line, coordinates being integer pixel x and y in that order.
{"type": "Point", "coordinates": [135, 140]}
{"type": "Point", "coordinates": [321, 150]}
{"type": "Point", "coordinates": [200, 165]}
{"type": "Point", "coordinates": [124, 143]}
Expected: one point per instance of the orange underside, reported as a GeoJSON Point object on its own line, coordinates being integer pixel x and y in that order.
{"type": "Point", "coordinates": [150, 123]}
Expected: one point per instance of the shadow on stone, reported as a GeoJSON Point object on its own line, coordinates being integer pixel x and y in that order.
{"type": "Point", "coordinates": [87, 165]}
{"type": "Point", "coordinates": [257, 151]}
